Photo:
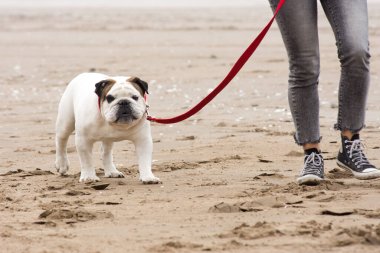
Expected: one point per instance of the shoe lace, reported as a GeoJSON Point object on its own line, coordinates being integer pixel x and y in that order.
{"type": "Point", "coordinates": [356, 153]}
{"type": "Point", "coordinates": [313, 164]}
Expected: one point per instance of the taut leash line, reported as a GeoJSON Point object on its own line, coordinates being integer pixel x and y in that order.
{"type": "Point", "coordinates": [233, 72]}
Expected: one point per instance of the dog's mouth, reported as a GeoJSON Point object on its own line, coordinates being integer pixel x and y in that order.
{"type": "Point", "coordinates": [125, 118]}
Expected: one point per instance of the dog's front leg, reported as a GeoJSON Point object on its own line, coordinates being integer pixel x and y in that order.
{"type": "Point", "coordinates": [84, 148]}
{"type": "Point", "coordinates": [108, 165]}
{"type": "Point", "coordinates": [144, 150]}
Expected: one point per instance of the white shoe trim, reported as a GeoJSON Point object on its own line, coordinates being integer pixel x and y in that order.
{"type": "Point", "coordinates": [369, 173]}
{"type": "Point", "coordinates": [309, 179]}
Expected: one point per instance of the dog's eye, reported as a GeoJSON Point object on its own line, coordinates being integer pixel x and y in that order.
{"type": "Point", "coordinates": [134, 97]}
{"type": "Point", "coordinates": [110, 98]}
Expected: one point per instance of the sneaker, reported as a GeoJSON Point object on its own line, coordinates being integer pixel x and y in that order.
{"type": "Point", "coordinates": [352, 158]}
{"type": "Point", "coordinates": [313, 170]}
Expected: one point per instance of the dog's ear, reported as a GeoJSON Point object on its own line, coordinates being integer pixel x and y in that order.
{"type": "Point", "coordinates": [102, 87]}
{"type": "Point", "coordinates": [141, 85]}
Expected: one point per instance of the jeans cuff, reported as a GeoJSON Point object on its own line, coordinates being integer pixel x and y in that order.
{"type": "Point", "coordinates": [338, 127]}
{"type": "Point", "coordinates": [304, 142]}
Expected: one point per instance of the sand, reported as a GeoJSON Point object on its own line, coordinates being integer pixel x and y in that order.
{"type": "Point", "coordinates": [228, 172]}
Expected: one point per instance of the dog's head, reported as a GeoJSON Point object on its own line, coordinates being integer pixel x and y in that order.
{"type": "Point", "coordinates": [121, 99]}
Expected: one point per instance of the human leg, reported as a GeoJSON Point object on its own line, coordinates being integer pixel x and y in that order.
{"type": "Point", "coordinates": [297, 21]}
{"type": "Point", "coordinates": [350, 25]}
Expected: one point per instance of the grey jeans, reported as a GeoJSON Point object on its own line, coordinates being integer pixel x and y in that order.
{"type": "Point", "coordinates": [297, 21]}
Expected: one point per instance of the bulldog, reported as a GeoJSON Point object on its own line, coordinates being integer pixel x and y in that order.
{"type": "Point", "coordinates": [106, 109]}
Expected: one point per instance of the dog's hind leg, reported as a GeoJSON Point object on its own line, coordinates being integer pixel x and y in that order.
{"type": "Point", "coordinates": [65, 125]}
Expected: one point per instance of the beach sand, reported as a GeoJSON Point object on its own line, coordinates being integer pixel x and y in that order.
{"type": "Point", "coordinates": [228, 172]}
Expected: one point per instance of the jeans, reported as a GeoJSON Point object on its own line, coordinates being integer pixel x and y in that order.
{"type": "Point", "coordinates": [297, 21]}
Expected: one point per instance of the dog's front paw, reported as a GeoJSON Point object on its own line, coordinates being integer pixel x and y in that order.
{"type": "Point", "coordinates": [62, 166]}
{"type": "Point", "coordinates": [114, 173]}
{"type": "Point", "coordinates": [86, 177]}
{"type": "Point", "coordinates": [150, 180]}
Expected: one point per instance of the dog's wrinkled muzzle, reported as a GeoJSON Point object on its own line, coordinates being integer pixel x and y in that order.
{"type": "Point", "coordinates": [125, 112]}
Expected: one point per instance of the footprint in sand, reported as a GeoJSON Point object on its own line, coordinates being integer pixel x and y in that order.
{"type": "Point", "coordinates": [257, 205]}
{"type": "Point", "coordinates": [338, 174]}
{"type": "Point", "coordinates": [169, 167]}
{"type": "Point", "coordinates": [175, 246]}
{"type": "Point", "coordinates": [365, 234]}
{"type": "Point", "coordinates": [256, 231]}
{"type": "Point", "coordinates": [72, 215]}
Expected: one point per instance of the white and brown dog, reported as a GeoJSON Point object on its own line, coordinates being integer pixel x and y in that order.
{"type": "Point", "coordinates": [106, 109]}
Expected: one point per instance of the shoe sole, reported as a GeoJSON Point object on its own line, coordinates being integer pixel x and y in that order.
{"type": "Point", "coordinates": [358, 175]}
{"type": "Point", "coordinates": [309, 180]}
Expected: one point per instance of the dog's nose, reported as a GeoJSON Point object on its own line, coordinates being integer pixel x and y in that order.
{"type": "Point", "coordinates": [124, 102]}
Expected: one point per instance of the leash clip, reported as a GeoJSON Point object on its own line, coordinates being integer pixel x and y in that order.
{"type": "Point", "coordinates": [147, 112]}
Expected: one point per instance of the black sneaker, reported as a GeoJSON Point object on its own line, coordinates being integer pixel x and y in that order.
{"type": "Point", "coordinates": [352, 158]}
{"type": "Point", "coordinates": [313, 170]}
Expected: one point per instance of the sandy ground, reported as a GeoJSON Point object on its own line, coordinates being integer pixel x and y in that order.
{"type": "Point", "coordinates": [228, 173]}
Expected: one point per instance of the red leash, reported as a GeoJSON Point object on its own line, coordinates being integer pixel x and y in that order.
{"type": "Point", "coordinates": [235, 69]}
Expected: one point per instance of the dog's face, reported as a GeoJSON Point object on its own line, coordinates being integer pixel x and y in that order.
{"type": "Point", "coordinates": [122, 101]}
